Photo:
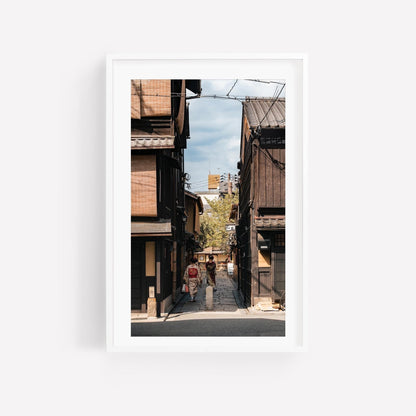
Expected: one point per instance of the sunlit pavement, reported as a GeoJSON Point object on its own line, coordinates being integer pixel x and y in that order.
{"type": "Point", "coordinates": [229, 317]}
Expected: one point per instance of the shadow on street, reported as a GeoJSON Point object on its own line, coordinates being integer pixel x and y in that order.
{"type": "Point", "coordinates": [251, 327]}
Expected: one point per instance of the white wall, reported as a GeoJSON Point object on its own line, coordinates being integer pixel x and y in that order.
{"type": "Point", "coordinates": [361, 210]}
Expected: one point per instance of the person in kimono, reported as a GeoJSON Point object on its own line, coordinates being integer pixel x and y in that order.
{"type": "Point", "coordinates": [193, 278]}
{"type": "Point", "coordinates": [211, 270]}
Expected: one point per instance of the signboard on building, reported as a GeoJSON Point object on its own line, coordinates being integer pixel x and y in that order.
{"type": "Point", "coordinates": [213, 181]}
{"type": "Point", "coordinates": [230, 227]}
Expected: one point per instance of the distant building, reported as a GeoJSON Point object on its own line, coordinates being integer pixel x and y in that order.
{"type": "Point", "coordinates": [213, 181]}
{"type": "Point", "coordinates": [207, 196]}
{"type": "Point", "coordinates": [220, 257]}
{"type": "Point", "coordinates": [228, 184]}
{"type": "Point", "coordinates": [218, 186]}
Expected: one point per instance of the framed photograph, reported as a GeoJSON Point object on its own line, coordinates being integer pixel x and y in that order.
{"type": "Point", "coordinates": [204, 204]}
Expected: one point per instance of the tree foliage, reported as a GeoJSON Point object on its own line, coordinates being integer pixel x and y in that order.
{"type": "Point", "coordinates": [214, 221]}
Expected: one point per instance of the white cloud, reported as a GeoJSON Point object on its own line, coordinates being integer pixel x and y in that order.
{"type": "Point", "coordinates": [215, 126]}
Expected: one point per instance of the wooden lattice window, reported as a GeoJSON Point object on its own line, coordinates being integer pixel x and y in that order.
{"type": "Point", "coordinates": [280, 240]}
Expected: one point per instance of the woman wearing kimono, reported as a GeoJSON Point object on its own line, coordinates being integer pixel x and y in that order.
{"type": "Point", "coordinates": [193, 278]}
{"type": "Point", "coordinates": [211, 267]}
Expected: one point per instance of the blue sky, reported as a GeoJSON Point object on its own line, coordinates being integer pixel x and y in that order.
{"type": "Point", "coordinates": [215, 126]}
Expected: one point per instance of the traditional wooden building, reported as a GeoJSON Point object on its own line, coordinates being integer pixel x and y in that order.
{"type": "Point", "coordinates": [220, 257]}
{"type": "Point", "coordinates": [193, 209]}
{"type": "Point", "coordinates": [261, 222]}
{"type": "Point", "coordinates": [232, 241]}
{"type": "Point", "coordinates": [159, 132]}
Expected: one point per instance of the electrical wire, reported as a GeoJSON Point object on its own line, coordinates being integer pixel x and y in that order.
{"type": "Point", "coordinates": [205, 181]}
{"type": "Point", "coordinates": [271, 105]}
{"type": "Point", "coordinates": [225, 97]}
{"type": "Point", "coordinates": [278, 163]}
{"type": "Point", "coordinates": [179, 94]}
{"type": "Point", "coordinates": [232, 87]}
{"type": "Point", "coordinates": [275, 97]}
{"type": "Point", "coordinates": [199, 184]}
{"type": "Point", "coordinates": [265, 82]}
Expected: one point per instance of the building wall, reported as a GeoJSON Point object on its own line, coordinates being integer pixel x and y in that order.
{"type": "Point", "coordinates": [151, 267]}
{"type": "Point", "coordinates": [197, 228]}
{"type": "Point", "coordinates": [150, 98]}
{"type": "Point", "coordinates": [143, 186]}
{"type": "Point", "coordinates": [157, 189]}
{"type": "Point", "coordinates": [262, 180]}
{"type": "Point", "coordinates": [190, 210]}
{"type": "Point", "coordinates": [220, 259]}
{"type": "Point", "coordinates": [270, 178]}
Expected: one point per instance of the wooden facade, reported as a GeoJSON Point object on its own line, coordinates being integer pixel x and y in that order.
{"type": "Point", "coordinates": [261, 217]}
{"type": "Point", "coordinates": [193, 209]}
{"type": "Point", "coordinates": [220, 257]}
{"type": "Point", "coordinates": [143, 185]}
{"type": "Point", "coordinates": [159, 132]}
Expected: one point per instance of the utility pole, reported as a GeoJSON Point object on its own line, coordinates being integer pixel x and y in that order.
{"type": "Point", "coordinates": [230, 188]}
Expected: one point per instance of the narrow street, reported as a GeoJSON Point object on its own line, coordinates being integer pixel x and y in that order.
{"type": "Point", "coordinates": [229, 317]}
{"type": "Point", "coordinates": [185, 211]}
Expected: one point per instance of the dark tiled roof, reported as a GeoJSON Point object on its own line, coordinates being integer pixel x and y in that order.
{"type": "Point", "coordinates": [256, 110]}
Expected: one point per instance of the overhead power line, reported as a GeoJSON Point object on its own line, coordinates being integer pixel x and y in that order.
{"type": "Point", "coordinates": [271, 105]}
{"type": "Point", "coordinates": [235, 97]}
{"type": "Point", "coordinates": [265, 82]}
{"type": "Point", "coordinates": [199, 183]}
{"type": "Point", "coordinates": [232, 87]}
{"type": "Point", "coordinates": [229, 97]}
{"type": "Point", "coordinates": [278, 163]}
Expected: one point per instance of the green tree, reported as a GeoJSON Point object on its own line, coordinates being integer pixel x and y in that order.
{"type": "Point", "coordinates": [213, 232]}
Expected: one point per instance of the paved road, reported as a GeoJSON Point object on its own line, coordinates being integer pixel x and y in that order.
{"type": "Point", "coordinates": [200, 326]}
{"type": "Point", "coordinates": [226, 298]}
{"type": "Point", "coordinates": [228, 318]}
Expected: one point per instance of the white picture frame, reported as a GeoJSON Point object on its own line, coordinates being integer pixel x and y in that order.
{"type": "Point", "coordinates": [120, 70]}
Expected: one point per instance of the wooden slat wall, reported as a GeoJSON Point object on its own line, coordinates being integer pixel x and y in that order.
{"type": "Point", "coordinates": [190, 212]}
{"type": "Point", "coordinates": [279, 272]}
{"type": "Point", "coordinates": [245, 139]}
{"type": "Point", "coordinates": [150, 98]}
{"type": "Point", "coordinates": [280, 194]}
{"type": "Point", "coordinates": [135, 99]}
{"type": "Point", "coordinates": [253, 232]}
{"type": "Point", "coordinates": [245, 175]}
{"type": "Point", "coordinates": [143, 186]}
{"type": "Point", "coordinates": [180, 119]}
{"type": "Point", "coordinates": [197, 220]}
{"type": "Point", "coordinates": [264, 283]}
{"type": "Point", "coordinates": [139, 288]}
{"type": "Point", "coordinates": [270, 180]}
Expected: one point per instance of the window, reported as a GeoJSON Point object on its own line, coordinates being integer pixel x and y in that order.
{"type": "Point", "coordinates": [280, 240]}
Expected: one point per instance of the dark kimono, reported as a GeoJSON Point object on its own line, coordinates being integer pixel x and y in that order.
{"type": "Point", "coordinates": [211, 267]}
